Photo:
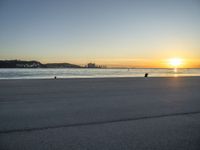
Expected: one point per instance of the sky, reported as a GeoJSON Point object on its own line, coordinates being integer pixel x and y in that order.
{"type": "Point", "coordinates": [127, 33]}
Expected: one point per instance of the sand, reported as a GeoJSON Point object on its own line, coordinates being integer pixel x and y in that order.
{"type": "Point", "coordinates": [104, 113]}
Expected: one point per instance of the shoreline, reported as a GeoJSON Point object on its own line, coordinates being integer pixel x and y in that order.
{"type": "Point", "coordinates": [121, 77]}
{"type": "Point", "coordinates": [94, 73]}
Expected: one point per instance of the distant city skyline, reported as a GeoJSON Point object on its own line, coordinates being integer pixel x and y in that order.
{"type": "Point", "coordinates": [116, 33]}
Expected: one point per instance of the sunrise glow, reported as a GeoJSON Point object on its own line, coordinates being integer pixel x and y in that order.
{"type": "Point", "coordinates": [175, 62]}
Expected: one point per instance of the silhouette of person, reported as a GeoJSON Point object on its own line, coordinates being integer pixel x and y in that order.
{"type": "Point", "coordinates": [146, 75]}
{"type": "Point", "coordinates": [55, 77]}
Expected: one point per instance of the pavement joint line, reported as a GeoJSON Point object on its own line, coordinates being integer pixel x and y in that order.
{"type": "Point", "coordinates": [97, 122]}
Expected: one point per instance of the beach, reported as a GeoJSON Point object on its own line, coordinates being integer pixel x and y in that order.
{"type": "Point", "coordinates": [100, 113]}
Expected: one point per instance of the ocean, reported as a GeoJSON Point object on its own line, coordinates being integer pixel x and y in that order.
{"type": "Point", "coordinates": [40, 73]}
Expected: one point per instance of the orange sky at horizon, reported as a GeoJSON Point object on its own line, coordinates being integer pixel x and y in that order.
{"type": "Point", "coordinates": [131, 63]}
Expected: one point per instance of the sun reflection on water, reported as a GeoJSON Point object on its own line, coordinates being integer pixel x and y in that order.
{"type": "Point", "coordinates": [175, 70]}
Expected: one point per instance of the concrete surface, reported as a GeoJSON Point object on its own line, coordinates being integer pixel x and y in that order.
{"type": "Point", "coordinates": [109, 113]}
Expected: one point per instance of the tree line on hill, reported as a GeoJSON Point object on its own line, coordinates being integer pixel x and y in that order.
{"type": "Point", "coordinates": [37, 64]}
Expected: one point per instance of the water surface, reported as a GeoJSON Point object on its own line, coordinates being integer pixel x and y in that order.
{"type": "Point", "coordinates": [39, 73]}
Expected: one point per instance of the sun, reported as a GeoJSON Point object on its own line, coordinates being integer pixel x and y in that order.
{"type": "Point", "coordinates": [175, 62]}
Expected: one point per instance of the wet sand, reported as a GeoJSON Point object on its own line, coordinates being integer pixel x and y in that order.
{"type": "Point", "coordinates": [104, 113]}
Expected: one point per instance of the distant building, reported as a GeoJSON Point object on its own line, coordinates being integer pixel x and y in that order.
{"type": "Point", "coordinates": [91, 65]}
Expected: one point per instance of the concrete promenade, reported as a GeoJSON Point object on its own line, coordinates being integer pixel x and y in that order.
{"type": "Point", "coordinates": [100, 114]}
